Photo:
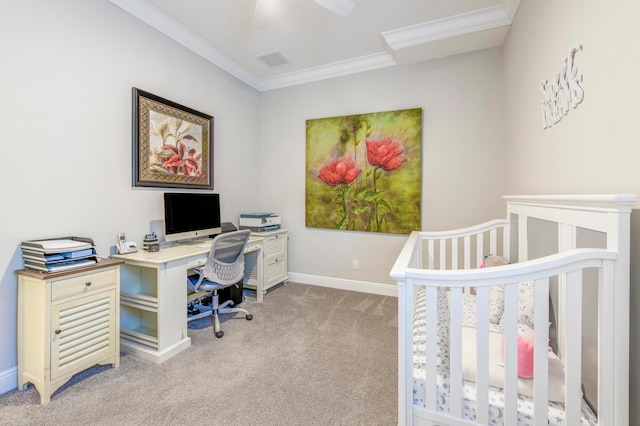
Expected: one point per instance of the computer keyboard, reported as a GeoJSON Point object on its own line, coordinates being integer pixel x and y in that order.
{"type": "Point", "coordinates": [205, 245]}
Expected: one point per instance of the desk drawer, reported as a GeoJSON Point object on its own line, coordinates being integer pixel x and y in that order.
{"type": "Point", "coordinates": [197, 262]}
{"type": "Point", "coordinates": [83, 284]}
{"type": "Point", "coordinates": [253, 247]}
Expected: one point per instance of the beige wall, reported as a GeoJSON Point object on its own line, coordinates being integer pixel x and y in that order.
{"type": "Point", "coordinates": [595, 148]}
{"type": "Point", "coordinates": [463, 155]}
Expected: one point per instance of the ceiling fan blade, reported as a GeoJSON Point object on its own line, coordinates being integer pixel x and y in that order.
{"type": "Point", "coordinates": [340, 7]}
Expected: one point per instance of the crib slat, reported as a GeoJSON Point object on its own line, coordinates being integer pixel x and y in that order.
{"type": "Point", "coordinates": [482, 366]}
{"type": "Point", "coordinates": [455, 353]}
{"type": "Point", "coordinates": [606, 334]}
{"type": "Point", "coordinates": [573, 349]}
{"type": "Point", "coordinates": [506, 241]}
{"type": "Point", "coordinates": [454, 254]}
{"type": "Point", "coordinates": [479, 249]}
{"type": "Point", "coordinates": [511, 354]}
{"type": "Point", "coordinates": [493, 241]}
{"type": "Point", "coordinates": [467, 253]}
{"type": "Point", "coordinates": [523, 231]}
{"type": "Point", "coordinates": [431, 250]}
{"type": "Point", "coordinates": [405, 357]}
{"type": "Point", "coordinates": [443, 253]}
{"type": "Point", "coordinates": [467, 258]}
{"type": "Point", "coordinates": [431, 331]}
{"type": "Point", "coordinates": [541, 352]}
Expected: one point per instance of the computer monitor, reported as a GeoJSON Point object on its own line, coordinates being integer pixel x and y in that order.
{"type": "Point", "coordinates": [189, 215]}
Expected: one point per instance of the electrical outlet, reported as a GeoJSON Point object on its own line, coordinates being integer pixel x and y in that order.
{"type": "Point", "coordinates": [355, 264]}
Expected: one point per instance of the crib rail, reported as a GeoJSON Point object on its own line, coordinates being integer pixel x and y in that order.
{"type": "Point", "coordinates": [568, 265]}
{"type": "Point", "coordinates": [464, 248]}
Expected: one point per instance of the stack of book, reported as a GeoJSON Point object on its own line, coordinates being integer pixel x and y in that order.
{"type": "Point", "coordinates": [58, 254]}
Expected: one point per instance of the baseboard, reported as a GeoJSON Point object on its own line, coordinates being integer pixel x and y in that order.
{"type": "Point", "coordinates": [342, 284]}
{"type": "Point", "coordinates": [8, 380]}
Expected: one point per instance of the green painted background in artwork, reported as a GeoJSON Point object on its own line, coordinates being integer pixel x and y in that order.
{"type": "Point", "coordinates": [398, 191]}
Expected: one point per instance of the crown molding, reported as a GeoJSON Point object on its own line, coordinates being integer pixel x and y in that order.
{"type": "Point", "coordinates": [396, 41]}
{"type": "Point", "coordinates": [432, 31]}
{"type": "Point", "coordinates": [173, 29]}
{"type": "Point", "coordinates": [336, 69]}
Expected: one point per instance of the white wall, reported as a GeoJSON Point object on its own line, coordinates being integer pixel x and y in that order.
{"type": "Point", "coordinates": [595, 148]}
{"type": "Point", "coordinates": [65, 114]}
{"type": "Point", "coordinates": [463, 156]}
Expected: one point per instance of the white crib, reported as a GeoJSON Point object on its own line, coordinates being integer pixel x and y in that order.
{"type": "Point", "coordinates": [562, 248]}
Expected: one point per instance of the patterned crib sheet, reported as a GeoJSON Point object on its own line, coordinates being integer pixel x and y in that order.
{"type": "Point", "coordinates": [496, 396]}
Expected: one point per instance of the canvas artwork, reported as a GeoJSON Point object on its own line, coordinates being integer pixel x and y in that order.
{"type": "Point", "coordinates": [364, 172]}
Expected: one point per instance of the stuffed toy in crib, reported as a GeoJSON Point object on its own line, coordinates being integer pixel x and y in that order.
{"type": "Point", "coordinates": [496, 309]}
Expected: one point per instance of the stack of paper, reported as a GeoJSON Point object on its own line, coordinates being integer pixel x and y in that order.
{"type": "Point", "coordinates": [61, 254]}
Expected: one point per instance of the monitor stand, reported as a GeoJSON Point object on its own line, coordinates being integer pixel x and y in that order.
{"type": "Point", "coordinates": [193, 241]}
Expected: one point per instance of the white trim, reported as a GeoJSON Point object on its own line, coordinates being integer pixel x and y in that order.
{"type": "Point", "coordinates": [342, 284]}
{"type": "Point", "coordinates": [8, 380]}
{"type": "Point", "coordinates": [168, 26]}
{"type": "Point", "coordinates": [337, 69]}
{"type": "Point", "coordinates": [428, 32]}
{"type": "Point", "coordinates": [510, 7]}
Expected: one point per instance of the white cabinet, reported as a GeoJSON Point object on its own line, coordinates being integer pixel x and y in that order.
{"type": "Point", "coordinates": [267, 266]}
{"type": "Point", "coordinates": [67, 322]}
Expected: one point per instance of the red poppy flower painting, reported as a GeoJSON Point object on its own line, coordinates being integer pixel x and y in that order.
{"type": "Point", "coordinates": [364, 172]}
{"type": "Point", "coordinates": [339, 171]}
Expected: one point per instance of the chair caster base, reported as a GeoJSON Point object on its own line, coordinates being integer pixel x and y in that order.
{"type": "Point", "coordinates": [249, 317]}
{"type": "Point", "coordinates": [219, 334]}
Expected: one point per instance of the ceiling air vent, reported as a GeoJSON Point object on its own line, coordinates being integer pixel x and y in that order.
{"type": "Point", "coordinates": [273, 59]}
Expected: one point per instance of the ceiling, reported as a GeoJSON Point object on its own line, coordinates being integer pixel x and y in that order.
{"type": "Point", "coordinates": [316, 43]}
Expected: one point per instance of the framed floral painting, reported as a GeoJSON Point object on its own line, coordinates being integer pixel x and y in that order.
{"type": "Point", "coordinates": [364, 172]}
{"type": "Point", "coordinates": [172, 144]}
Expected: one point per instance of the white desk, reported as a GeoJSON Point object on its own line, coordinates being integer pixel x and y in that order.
{"type": "Point", "coordinates": [153, 295]}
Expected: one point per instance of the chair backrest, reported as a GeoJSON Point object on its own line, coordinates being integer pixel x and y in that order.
{"type": "Point", "coordinates": [225, 264]}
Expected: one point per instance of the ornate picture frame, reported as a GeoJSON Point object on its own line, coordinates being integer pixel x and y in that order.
{"type": "Point", "coordinates": [172, 144]}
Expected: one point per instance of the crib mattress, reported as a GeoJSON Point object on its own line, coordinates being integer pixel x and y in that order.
{"type": "Point", "coordinates": [496, 397]}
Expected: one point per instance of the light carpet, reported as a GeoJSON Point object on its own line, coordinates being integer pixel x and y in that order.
{"type": "Point", "coordinates": [310, 356]}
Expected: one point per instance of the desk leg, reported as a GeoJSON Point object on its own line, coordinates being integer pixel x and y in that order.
{"type": "Point", "coordinates": [259, 292]}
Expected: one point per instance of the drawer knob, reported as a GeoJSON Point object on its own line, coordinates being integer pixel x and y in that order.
{"type": "Point", "coordinates": [58, 331]}
{"type": "Point", "coordinates": [88, 283]}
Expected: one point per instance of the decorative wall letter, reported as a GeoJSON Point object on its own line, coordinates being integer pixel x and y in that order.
{"type": "Point", "coordinates": [562, 92]}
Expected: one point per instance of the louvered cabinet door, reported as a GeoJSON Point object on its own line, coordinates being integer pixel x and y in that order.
{"type": "Point", "coordinates": [67, 322]}
{"type": "Point", "coordinates": [275, 259]}
{"type": "Point", "coordinates": [82, 332]}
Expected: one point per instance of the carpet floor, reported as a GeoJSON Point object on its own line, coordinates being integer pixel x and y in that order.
{"type": "Point", "coordinates": [310, 356]}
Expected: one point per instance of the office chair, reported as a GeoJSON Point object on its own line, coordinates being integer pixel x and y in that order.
{"type": "Point", "coordinates": [224, 268]}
